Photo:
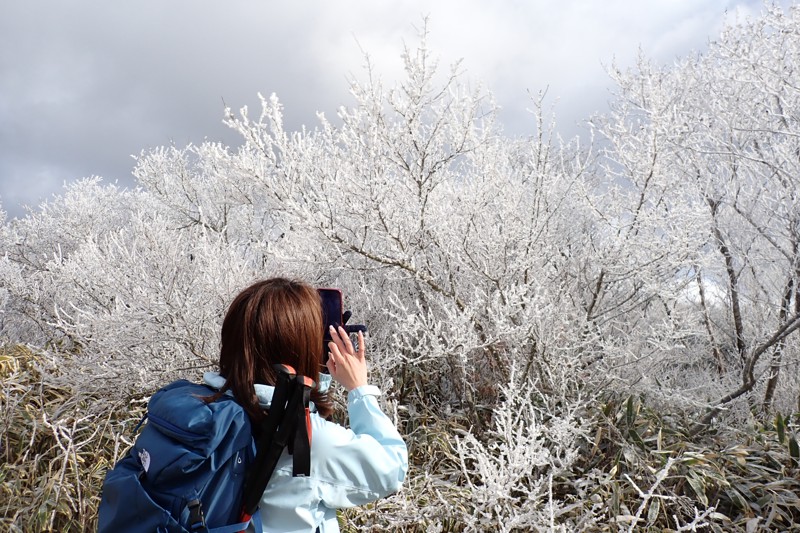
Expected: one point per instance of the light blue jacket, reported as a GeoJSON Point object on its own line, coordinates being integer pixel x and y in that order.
{"type": "Point", "coordinates": [349, 467]}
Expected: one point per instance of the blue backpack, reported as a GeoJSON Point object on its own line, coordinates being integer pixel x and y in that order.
{"type": "Point", "coordinates": [194, 468]}
{"type": "Point", "coordinates": [187, 470]}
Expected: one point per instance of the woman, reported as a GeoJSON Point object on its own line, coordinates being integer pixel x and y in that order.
{"type": "Point", "coordinates": [280, 321]}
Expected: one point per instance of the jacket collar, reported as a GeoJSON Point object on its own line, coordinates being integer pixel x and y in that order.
{"type": "Point", "coordinates": [264, 392]}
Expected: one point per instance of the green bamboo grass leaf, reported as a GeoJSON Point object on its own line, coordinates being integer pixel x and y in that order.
{"type": "Point", "coordinates": [698, 488]}
{"type": "Point", "coordinates": [615, 499]}
{"type": "Point", "coordinates": [737, 499]}
{"type": "Point", "coordinates": [629, 411]}
{"type": "Point", "coordinates": [745, 488]}
{"type": "Point", "coordinates": [652, 513]}
{"type": "Point", "coordinates": [794, 450]}
{"type": "Point", "coordinates": [636, 438]}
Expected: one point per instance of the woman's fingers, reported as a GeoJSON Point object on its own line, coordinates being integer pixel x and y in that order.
{"type": "Point", "coordinates": [346, 340]}
{"type": "Point", "coordinates": [346, 365]}
{"type": "Point", "coordinates": [342, 340]}
{"type": "Point", "coordinates": [362, 347]}
{"type": "Point", "coordinates": [337, 354]}
{"type": "Point", "coordinates": [335, 338]}
{"type": "Point", "coordinates": [331, 363]}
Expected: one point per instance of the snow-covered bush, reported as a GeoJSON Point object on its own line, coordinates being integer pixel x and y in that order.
{"type": "Point", "coordinates": [38, 244]}
{"type": "Point", "coordinates": [510, 473]}
{"type": "Point", "coordinates": [514, 289]}
{"type": "Point", "coordinates": [702, 162]}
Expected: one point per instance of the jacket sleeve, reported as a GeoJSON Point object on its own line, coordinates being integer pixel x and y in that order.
{"type": "Point", "coordinates": [361, 464]}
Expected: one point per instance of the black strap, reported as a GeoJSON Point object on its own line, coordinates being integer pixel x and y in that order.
{"type": "Point", "coordinates": [301, 454]}
{"type": "Point", "coordinates": [287, 417]}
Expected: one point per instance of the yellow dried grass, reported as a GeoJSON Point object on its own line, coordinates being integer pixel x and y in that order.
{"type": "Point", "coordinates": [56, 445]}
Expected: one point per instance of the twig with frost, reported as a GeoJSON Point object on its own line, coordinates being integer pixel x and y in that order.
{"type": "Point", "coordinates": [647, 496]}
{"type": "Point", "coordinates": [698, 522]}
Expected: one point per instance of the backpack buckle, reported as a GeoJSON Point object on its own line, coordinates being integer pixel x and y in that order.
{"type": "Point", "coordinates": [197, 521]}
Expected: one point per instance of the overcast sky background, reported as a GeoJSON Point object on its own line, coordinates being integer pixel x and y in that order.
{"type": "Point", "coordinates": [84, 84]}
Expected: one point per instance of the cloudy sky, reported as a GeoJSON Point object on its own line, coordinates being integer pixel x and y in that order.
{"type": "Point", "coordinates": [84, 84]}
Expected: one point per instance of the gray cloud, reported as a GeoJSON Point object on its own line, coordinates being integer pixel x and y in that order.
{"type": "Point", "coordinates": [84, 84]}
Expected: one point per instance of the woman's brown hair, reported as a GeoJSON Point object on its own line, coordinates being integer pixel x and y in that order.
{"type": "Point", "coordinates": [272, 321]}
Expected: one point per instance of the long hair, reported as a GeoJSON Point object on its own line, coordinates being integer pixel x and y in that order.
{"type": "Point", "coordinates": [272, 321]}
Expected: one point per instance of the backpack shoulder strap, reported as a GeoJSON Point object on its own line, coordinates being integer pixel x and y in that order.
{"type": "Point", "coordinates": [287, 424]}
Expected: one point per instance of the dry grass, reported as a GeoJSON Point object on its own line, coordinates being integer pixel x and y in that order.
{"type": "Point", "coordinates": [56, 448]}
{"type": "Point", "coordinates": [640, 473]}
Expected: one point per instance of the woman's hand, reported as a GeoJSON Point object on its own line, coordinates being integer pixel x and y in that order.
{"type": "Point", "coordinates": [345, 365]}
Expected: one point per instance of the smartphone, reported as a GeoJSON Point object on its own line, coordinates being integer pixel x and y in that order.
{"type": "Point", "coordinates": [332, 315]}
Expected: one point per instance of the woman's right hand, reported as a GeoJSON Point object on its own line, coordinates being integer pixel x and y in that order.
{"type": "Point", "coordinates": [345, 364]}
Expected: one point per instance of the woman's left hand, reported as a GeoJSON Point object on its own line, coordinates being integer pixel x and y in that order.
{"type": "Point", "coordinates": [345, 364]}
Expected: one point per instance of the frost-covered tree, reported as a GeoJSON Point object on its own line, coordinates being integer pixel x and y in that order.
{"type": "Point", "coordinates": [514, 289]}
{"type": "Point", "coordinates": [702, 174]}
{"type": "Point", "coordinates": [415, 200]}
{"type": "Point", "coordinates": [450, 241]}
{"type": "Point", "coordinates": [36, 246]}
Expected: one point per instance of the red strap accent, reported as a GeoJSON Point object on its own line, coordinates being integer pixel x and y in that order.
{"type": "Point", "coordinates": [286, 368]}
{"type": "Point", "coordinates": [308, 426]}
{"type": "Point", "coordinates": [245, 518]}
